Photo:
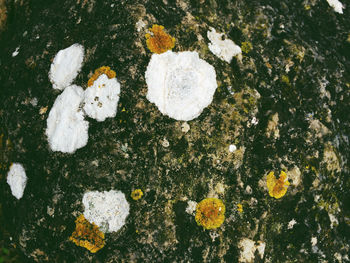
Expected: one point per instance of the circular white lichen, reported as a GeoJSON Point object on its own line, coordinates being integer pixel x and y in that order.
{"type": "Point", "coordinates": [101, 99]}
{"type": "Point", "coordinates": [108, 210]}
{"type": "Point", "coordinates": [66, 128]}
{"type": "Point", "coordinates": [66, 65]}
{"type": "Point", "coordinates": [180, 84]}
{"type": "Point", "coordinates": [17, 180]}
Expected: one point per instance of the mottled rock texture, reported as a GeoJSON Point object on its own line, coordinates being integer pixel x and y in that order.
{"type": "Point", "coordinates": [296, 68]}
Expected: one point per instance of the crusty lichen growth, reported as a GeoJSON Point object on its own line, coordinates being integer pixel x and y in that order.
{"type": "Point", "coordinates": [277, 187]}
{"type": "Point", "coordinates": [246, 47]}
{"type": "Point", "coordinates": [210, 213]}
{"type": "Point", "coordinates": [136, 194]}
{"type": "Point", "coordinates": [87, 235]}
{"type": "Point", "coordinates": [240, 208]}
{"type": "Point", "coordinates": [98, 72]}
{"type": "Point", "coordinates": [159, 41]}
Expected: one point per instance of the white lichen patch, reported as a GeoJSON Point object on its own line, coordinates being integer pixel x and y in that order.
{"type": "Point", "coordinates": [232, 148]}
{"type": "Point", "coordinates": [108, 210]}
{"type": "Point", "coordinates": [191, 207]}
{"type": "Point", "coordinates": [333, 219]}
{"type": "Point", "coordinates": [16, 52]}
{"type": "Point", "coordinates": [17, 180]}
{"type": "Point", "coordinates": [101, 99]}
{"type": "Point", "coordinates": [224, 49]}
{"type": "Point", "coordinates": [180, 84]}
{"type": "Point", "coordinates": [248, 248]}
{"type": "Point", "coordinates": [291, 223]}
{"type": "Point", "coordinates": [336, 5]}
{"type": "Point", "coordinates": [140, 25]}
{"type": "Point", "coordinates": [313, 241]}
{"type": "Point", "coordinates": [67, 130]}
{"type": "Point", "coordinates": [66, 66]}
{"type": "Point", "coordinates": [220, 188]}
{"type": "Point", "coordinates": [185, 127]}
{"type": "Point", "coordinates": [165, 143]}
{"type": "Point", "coordinates": [261, 248]}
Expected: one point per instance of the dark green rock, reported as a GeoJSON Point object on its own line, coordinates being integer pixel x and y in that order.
{"type": "Point", "coordinates": [298, 68]}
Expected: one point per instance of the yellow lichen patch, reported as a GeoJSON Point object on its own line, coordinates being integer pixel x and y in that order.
{"type": "Point", "coordinates": [240, 208]}
{"type": "Point", "coordinates": [246, 47]}
{"type": "Point", "coordinates": [87, 235]}
{"type": "Point", "coordinates": [159, 41]}
{"type": "Point", "coordinates": [98, 72]}
{"type": "Point", "coordinates": [136, 194]}
{"type": "Point", "coordinates": [277, 187]}
{"type": "Point", "coordinates": [210, 213]}
{"type": "Point", "coordinates": [307, 7]}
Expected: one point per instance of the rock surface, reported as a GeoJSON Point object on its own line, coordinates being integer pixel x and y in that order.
{"type": "Point", "coordinates": [295, 67]}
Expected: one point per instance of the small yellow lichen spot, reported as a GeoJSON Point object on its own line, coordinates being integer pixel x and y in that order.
{"type": "Point", "coordinates": [246, 47]}
{"type": "Point", "coordinates": [277, 187]}
{"type": "Point", "coordinates": [285, 79]}
{"type": "Point", "coordinates": [240, 208]}
{"type": "Point", "coordinates": [136, 194]}
{"type": "Point", "coordinates": [159, 42]}
{"type": "Point", "coordinates": [43, 110]}
{"type": "Point", "coordinates": [307, 7]}
{"type": "Point", "coordinates": [210, 213]}
{"type": "Point", "coordinates": [98, 72]}
{"type": "Point", "coordinates": [87, 235]}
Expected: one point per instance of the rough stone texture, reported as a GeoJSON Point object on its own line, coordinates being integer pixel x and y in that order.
{"type": "Point", "coordinates": [298, 69]}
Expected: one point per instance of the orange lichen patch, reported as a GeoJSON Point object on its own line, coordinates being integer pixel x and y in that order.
{"type": "Point", "coordinates": [159, 41]}
{"type": "Point", "coordinates": [87, 235]}
{"type": "Point", "coordinates": [210, 213]}
{"type": "Point", "coordinates": [136, 194]}
{"type": "Point", "coordinates": [277, 187]}
{"type": "Point", "coordinates": [98, 72]}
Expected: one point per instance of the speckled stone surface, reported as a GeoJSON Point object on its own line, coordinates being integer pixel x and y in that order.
{"type": "Point", "coordinates": [283, 103]}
